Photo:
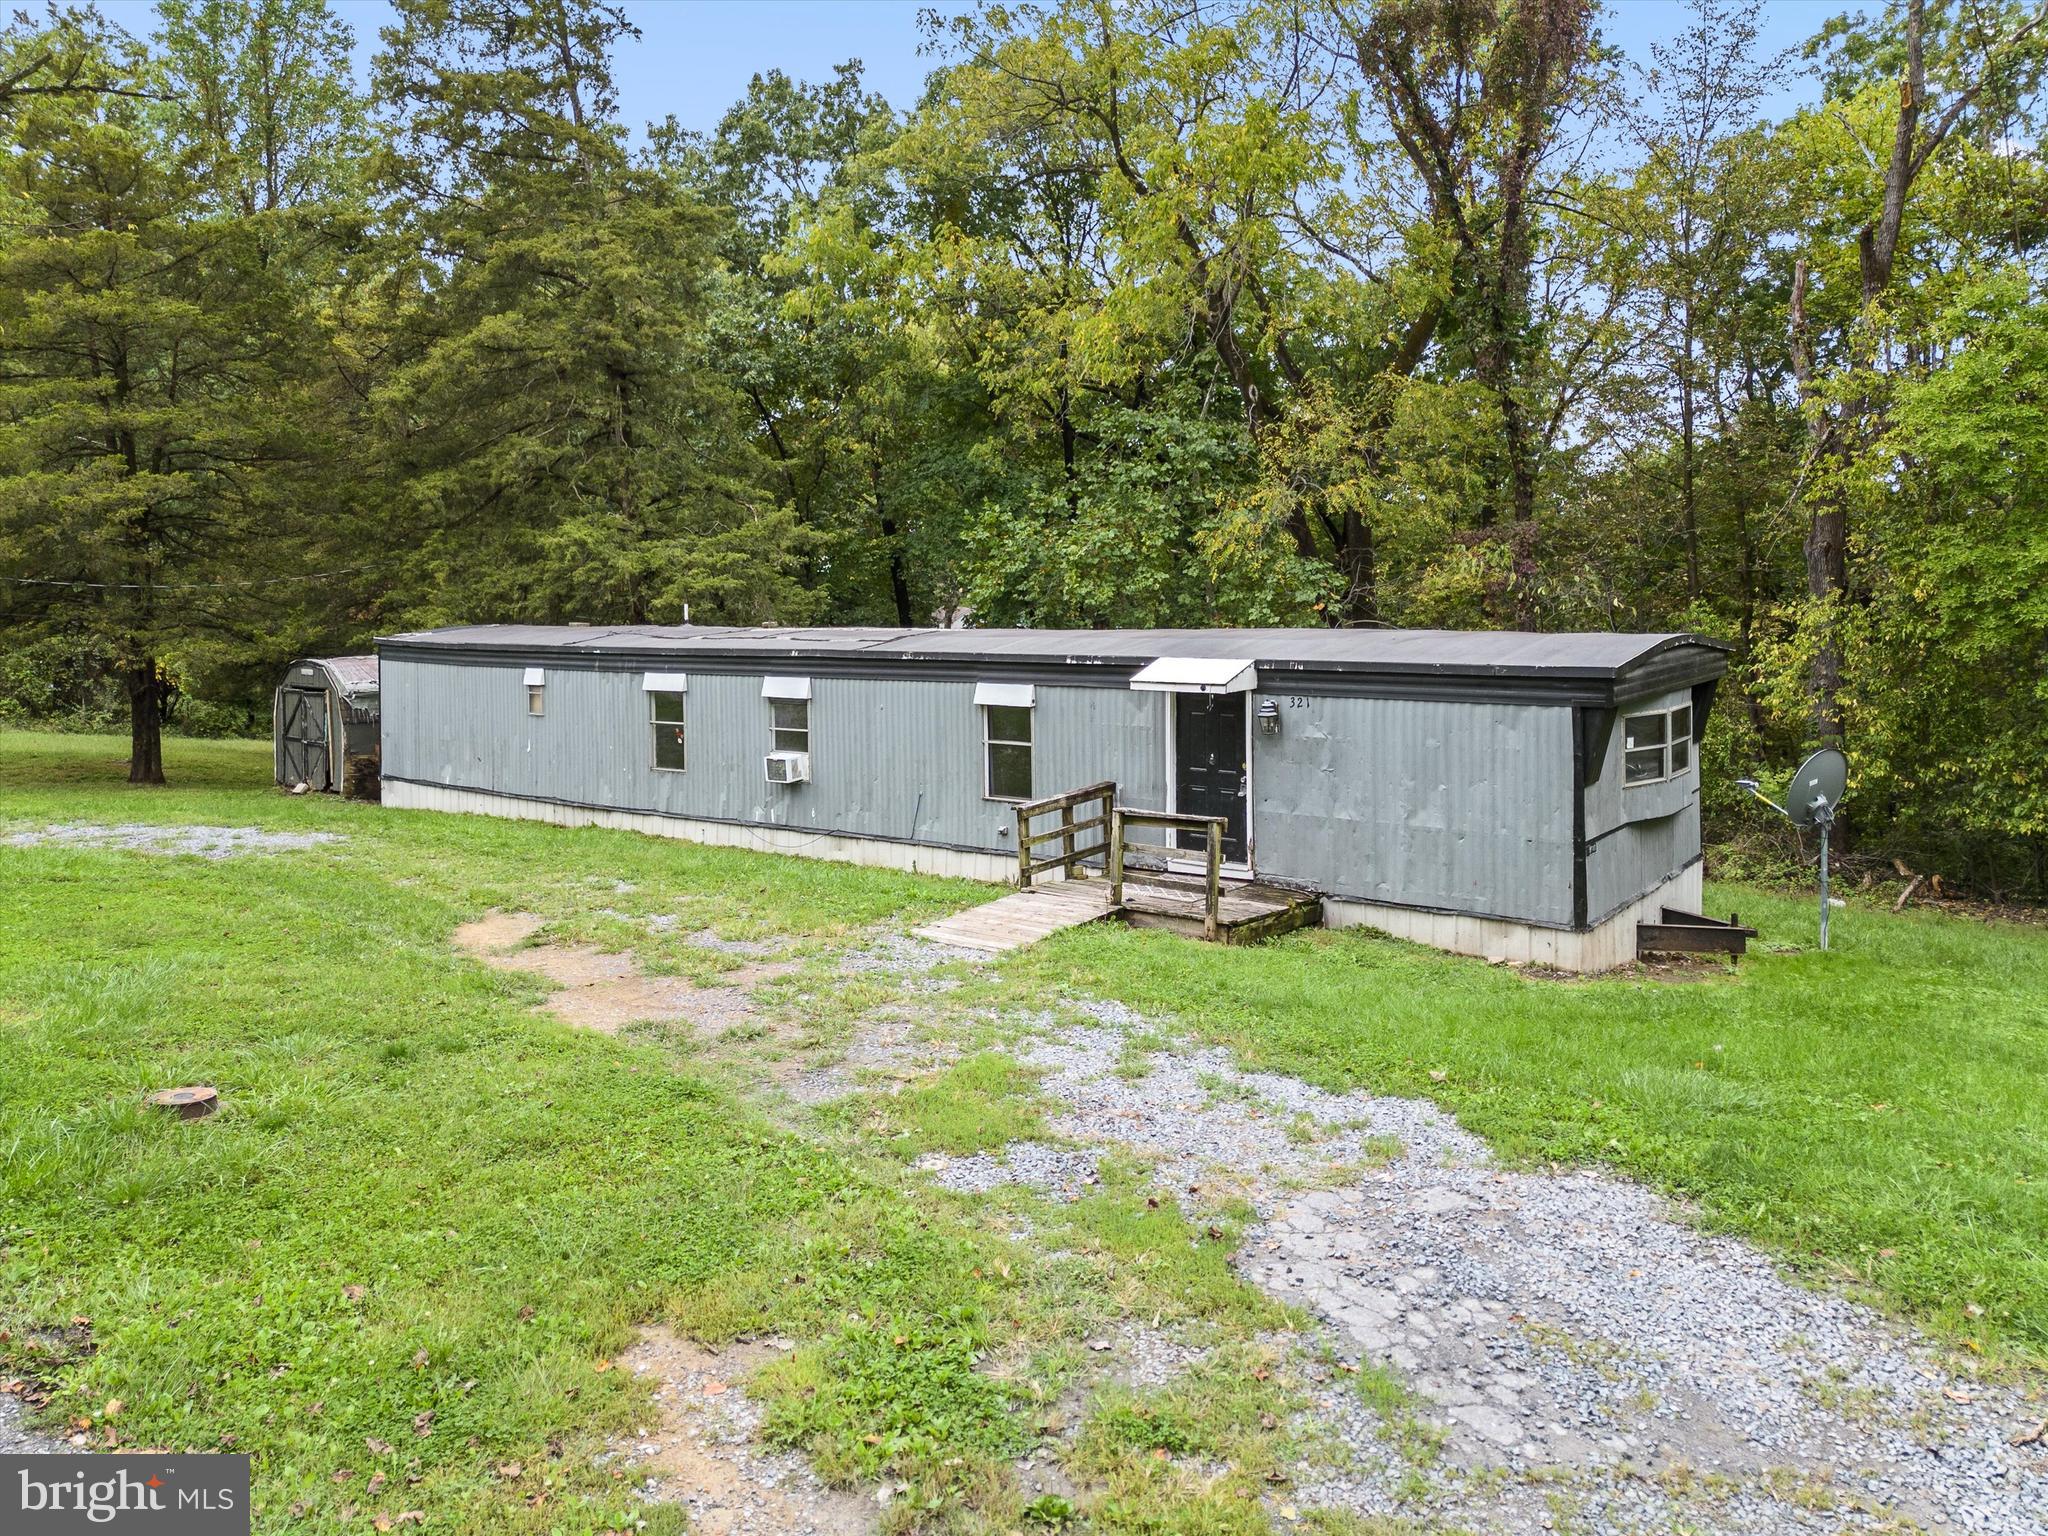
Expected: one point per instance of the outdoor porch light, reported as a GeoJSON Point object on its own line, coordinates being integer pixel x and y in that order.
{"type": "Point", "coordinates": [1269, 717]}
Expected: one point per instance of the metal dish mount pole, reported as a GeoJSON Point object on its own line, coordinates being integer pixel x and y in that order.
{"type": "Point", "coordinates": [1824, 818]}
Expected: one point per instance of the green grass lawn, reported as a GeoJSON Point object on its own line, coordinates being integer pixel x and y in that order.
{"type": "Point", "coordinates": [427, 1216]}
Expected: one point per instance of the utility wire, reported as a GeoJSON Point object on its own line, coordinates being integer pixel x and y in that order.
{"type": "Point", "coordinates": [179, 586]}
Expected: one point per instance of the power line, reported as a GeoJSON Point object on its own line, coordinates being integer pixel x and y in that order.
{"type": "Point", "coordinates": [180, 586]}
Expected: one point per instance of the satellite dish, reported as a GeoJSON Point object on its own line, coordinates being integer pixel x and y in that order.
{"type": "Point", "coordinates": [1817, 788]}
{"type": "Point", "coordinates": [1812, 800]}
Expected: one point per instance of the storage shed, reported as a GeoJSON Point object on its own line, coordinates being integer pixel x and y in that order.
{"type": "Point", "coordinates": [1520, 796]}
{"type": "Point", "coordinates": [324, 718]}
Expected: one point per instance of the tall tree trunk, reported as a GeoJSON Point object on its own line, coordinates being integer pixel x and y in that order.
{"type": "Point", "coordinates": [1358, 560]}
{"type": "Point", "coordinates": [1827, 529]}
{"type": "Point", "coordinates": [145, 722]}
{"type": "Point", "coordinates": [899, 572]}
{"type": "Point", "coordinates": [1688, 453]}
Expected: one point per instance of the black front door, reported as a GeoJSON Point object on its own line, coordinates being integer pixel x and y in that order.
{"type": "Point", "coordinates": [1209, 769]}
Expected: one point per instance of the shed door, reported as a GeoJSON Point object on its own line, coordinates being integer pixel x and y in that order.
{"type": "Point", "coordinates": [302, 733]}
{"type": "Point", "coordinates": [1209, 766]}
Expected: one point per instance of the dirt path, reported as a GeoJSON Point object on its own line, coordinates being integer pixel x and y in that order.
{"type": "Point", "coordinates": [606, 990]}
{"type": "Point", "coordinates": [700, 1449]}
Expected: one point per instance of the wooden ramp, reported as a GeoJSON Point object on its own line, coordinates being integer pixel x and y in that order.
{"type": "Point", "coordinates": [1246, 913]}
{"type": "Point", "coordinates": [1023, 917]}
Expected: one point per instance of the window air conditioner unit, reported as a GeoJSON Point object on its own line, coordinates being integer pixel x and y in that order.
{"type": "Point", "coordinates": [788, 767]}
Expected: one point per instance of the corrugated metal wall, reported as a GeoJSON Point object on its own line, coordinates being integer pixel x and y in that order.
{"type": "Point", "coordinates": [896, 759]}
{"type": "Point", "coordinates": [1638, 835]}
{"type": "Point", "coordinates": [1464, 807]}
{"type": "Point", "coordinates": [1461, 807]}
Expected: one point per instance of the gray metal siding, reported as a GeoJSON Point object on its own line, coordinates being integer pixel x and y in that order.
{"type": "Point", "coordinates": [1610, 803]}
{"type": "Point", "coordinates": [1638, 835]}
{"type": "Point", "coordinates": [895, 759]}
{"type": "Point", "coordinates": [1462, 807]}
{"type": "Point", "coordinates": [1638, 857]}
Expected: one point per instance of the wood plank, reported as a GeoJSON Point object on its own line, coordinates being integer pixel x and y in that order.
{"type": "Point", "coordinates": [1023, 917]}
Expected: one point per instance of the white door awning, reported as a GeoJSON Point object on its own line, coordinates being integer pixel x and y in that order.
{"type": "Point", "coordinates": [1196, 674]}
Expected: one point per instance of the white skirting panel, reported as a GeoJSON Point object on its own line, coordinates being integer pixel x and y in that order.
{"type": "Point", "coordinates": [996, 868]}
{"type": "Point", "coordinates": [1601, 948]}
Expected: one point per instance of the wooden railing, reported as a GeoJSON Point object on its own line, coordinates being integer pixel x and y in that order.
{"type": "Point", "coordinates": [1211, 826]}
{"type": "Point", "coordinates": [1071, 826]}
{"type": "Point", "coordinates": [1110, 820]}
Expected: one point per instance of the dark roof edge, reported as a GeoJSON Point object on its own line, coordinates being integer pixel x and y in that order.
{"type": "Point", "coordinates": [1674, 662]}
{"type": "Point", "coordinates": [498, 651]}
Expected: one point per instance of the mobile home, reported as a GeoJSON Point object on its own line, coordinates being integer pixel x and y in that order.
{"type": "Point", "coordinates": [1527, 797]}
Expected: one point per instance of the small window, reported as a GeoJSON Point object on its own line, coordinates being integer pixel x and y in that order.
{"type": "Point", "coordinates": [792, 724]}
{"type": "Point", "coordinates": [1657, 747]}
{"type": "Point", "coordinates": [1006, 735]}
{"type": "Point", "coordinates": [536, 699]}
{"type": "Point", "coordinates": [668, 730]}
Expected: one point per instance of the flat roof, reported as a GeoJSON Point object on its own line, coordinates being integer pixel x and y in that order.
{"type": "Point", "coordinates": [1593, 653]}
{"type": "Point", "coordinates": [1599, 658]}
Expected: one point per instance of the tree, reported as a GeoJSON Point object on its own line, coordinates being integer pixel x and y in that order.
{"type": "Point", "coordinates": [552, 424]}
{"type": "Point", "coordinates": [1999, 55]}
{"type": "Point", "coordinates": [1475, 93]}
{"type": "Point", "coordinates": [1701, 200]}
{"type": "Point", "coordinates": [154, 370]}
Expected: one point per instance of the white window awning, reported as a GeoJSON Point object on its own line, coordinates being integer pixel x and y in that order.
{"type": "Point", "coordinates": [1196, 674]}
{"type": "Point", "coordinates": [535, 677]}
{"type": "Point", "coordinates": [665, 682]}
{"type": "Point", "coordinates": [785, 687]}
{"type": "Point", "coordinates": [1006, 695]}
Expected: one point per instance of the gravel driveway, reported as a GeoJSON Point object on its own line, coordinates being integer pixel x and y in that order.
{"type": "Point", "coordinates": [1592, 1361]}
{"type": "Point", "coordinates": [16, 1439]}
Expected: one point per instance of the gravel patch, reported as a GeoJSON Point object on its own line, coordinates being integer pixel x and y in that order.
{"type": "Point", "coordinates": [1061, 1172]}
{"type": "Point", "coordinates": [901, 955]}
{"type": "Point", "coordinates": [704, 938]}
{"type": "Point", "coordinates": [886, 1049]}
{"type": "Point", "coordinates": [205, 842]}
{"type": "Point", "coordinates": [16, 1438]}
{"type": "Point", "coordinates": [1567, 1332]}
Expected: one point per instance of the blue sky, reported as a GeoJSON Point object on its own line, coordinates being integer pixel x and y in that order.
{"type": "Point", "coordinates": [694, 57]}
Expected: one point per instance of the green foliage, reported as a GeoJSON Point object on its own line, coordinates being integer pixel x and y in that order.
{"type": "Point", "coordinates": [1415, 312]}
{"type": "Point", "coordinates": [562, 450]}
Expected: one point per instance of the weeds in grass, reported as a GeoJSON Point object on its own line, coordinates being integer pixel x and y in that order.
{"type": "Point", "coordinates": [1418, 1442]}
